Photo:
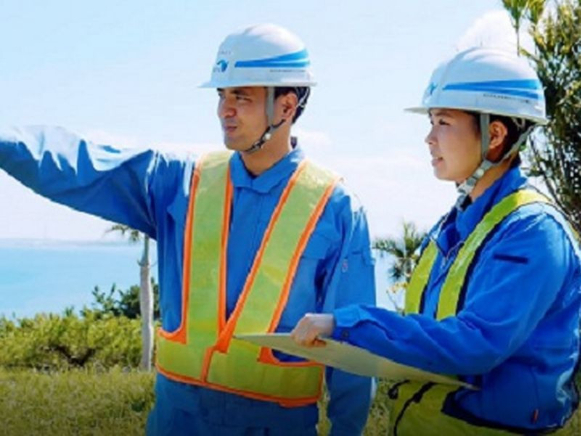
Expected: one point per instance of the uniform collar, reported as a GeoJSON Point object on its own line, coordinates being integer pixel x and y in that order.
{"type": "Point", "coordinates": [457, 225]}
{"type": "Point", "coordinates": [272, 177]}
{"type": "Point", "coordinates": [467, 219]}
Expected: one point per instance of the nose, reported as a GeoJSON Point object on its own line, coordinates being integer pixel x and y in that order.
{"type": "Point", "coordinates": [225, 109]}
{"type": "Point", "coordinates": [430, 138]}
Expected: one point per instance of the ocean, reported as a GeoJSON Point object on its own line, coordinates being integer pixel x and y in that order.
{"type": "Point", "coordinates": [49, 276]}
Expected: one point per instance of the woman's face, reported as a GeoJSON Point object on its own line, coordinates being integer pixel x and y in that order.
{"type": "Point", "coordinates": [454, 143]}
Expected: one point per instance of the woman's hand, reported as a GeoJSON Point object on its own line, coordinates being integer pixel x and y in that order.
{"type": "Point", "coordinates": [309, 329]}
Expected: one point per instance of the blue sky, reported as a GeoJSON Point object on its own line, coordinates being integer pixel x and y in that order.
{"type": "Point", "coordinates": [127, 72]}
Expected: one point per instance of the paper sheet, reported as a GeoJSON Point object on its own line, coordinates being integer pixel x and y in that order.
{"type": "Point", "coordinates": [349, 358]}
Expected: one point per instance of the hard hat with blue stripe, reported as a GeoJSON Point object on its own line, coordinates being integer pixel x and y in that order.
{"type": "Point", "coordinates": [486, 80]}
{"type": "Point", "coordinates": [261, 55]}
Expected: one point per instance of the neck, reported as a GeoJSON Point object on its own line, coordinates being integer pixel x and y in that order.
{"type": "Point", "coordinates": [489, 177]}
{"type": "Point", "coordinates": [273, 151]}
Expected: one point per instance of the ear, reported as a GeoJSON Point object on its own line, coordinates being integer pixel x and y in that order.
{"type": "Point", "coordinates": [498, 134]}
{"type": "Point", "coordinates": [288, 104]}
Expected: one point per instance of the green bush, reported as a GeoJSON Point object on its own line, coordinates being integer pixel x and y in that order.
{"type": "Point", "coordinates": [60, 342]}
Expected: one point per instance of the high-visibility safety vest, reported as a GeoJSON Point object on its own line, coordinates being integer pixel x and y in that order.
{"type": "Point", "coordinates": [417, 408]}
{"type": "Point", "coordinates": [204, 350]}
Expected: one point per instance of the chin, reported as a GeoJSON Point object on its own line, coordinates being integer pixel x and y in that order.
{"type": "Point", "coordinates": [233, 145]}
{"type": "Point", "coordinates": [440, 175]}
{"type": "Point", "coordinates": [444, 176]}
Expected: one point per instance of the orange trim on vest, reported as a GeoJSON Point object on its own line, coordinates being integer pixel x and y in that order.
{"type": "Point", "coordinates": [180, 335]}
{"type": "Point", "coordinates": [224, 255]}
{"type": "Point", "coordinates": [266, 354]}
{"type": "Point", "coordinates": [226, 334]}
{"type": "Point", "coordinates": [282, 402]}
{"type": "Point", "coordinates": [226, 327]}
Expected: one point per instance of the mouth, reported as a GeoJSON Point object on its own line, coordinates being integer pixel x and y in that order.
{"type": "Point", "coordinates": [436, 160]}
{"type": "Point", "coordinates": [228, 130]}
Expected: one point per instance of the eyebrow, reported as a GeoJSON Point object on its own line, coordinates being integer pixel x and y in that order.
{"type": "Point", "coordinates": [236, 91]}
{"type": "Point", "coordinates": [439, 113]}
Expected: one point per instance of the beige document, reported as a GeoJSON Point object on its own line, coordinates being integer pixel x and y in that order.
{"type": "Point", "coordinates": [349, 358]}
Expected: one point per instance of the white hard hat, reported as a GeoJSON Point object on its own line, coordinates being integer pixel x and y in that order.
{"type": "Point", "coordinates": [486, 80]}
{"type": "Point", "coordinates": [261, 55]}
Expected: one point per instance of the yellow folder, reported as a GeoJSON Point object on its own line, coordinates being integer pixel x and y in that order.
{"type": "Point", "coordinates": [349, 358]}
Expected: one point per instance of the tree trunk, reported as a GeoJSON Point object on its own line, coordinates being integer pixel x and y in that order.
{"type": "Point", "coordinates": [146, 307]}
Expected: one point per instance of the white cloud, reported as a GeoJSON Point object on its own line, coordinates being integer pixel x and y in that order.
{"type": "Point", "coordinates": [394, 188]}
{"type": "Point", "coordinates": [182, 148]}
{"type": "Point", "coordinates": [313, 139]}
{"type": "Point", "coordinates": [102, 137]}
{"type": "Point", "coordinates": [493, 29]}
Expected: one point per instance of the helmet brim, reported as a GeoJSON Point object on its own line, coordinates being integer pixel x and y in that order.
{"type": "Point", "coordinates": [422, 110]}
{"type": "Point", "coordinates": [240, 84]}
{"type": "Point", "coordinates": [417, 110]}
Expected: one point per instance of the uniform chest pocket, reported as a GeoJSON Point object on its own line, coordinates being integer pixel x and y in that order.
{"type": "Point", "coordinates": [307, 282]}
{"type": "Point", "coordinates": [312, 265]}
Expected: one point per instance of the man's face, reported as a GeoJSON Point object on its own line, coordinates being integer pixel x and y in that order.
{"type": "Point", "coordinates": [242, 115]}
{"type": "Point", "coordinates": [454, 144]}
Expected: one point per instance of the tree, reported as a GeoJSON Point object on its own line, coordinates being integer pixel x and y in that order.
{"type": "Point", "coordinates": [145, 294]}
{"type": "Point", "coordinates": [405, 252]}
{"type": "Point", "coordinates": [520, 10]}
{"type": "Point", "coordinates": [121, 303]}
{"type": "Point", "coordinates": [555, 153]}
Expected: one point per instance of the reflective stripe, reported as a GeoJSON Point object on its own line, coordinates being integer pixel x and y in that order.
{"type": "Point", "coordinates": [521, 88]}
{"type": "Point", "coordinates": [203, 351]}
{"type": "Point", "coordinates": [419, 279]}
{"type": "Point", "coordinates": [298, 59]}
{"type": "Point", "coordinates": [450, 293]}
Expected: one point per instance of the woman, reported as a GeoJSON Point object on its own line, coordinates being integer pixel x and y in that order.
{"type": "Point", "coordinates": [495, 297]}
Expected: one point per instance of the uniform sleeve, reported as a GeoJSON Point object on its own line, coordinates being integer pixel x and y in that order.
{"type": "Point", "coordinates": [518, 277]}
{"type": "Point", "coordinates": [351, 281]}
{"type": "Point", "coordinates": [98, 179]}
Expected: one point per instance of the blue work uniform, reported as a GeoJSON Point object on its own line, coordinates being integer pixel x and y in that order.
{"type": "Point", "coordinates": [516, 335]}
{"type": "Point", "coordinates": [149, 191]}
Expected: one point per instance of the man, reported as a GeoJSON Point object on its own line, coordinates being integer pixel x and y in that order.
{"type": "Point", "coordinates": [496, 295]}
{"type": "Point", "coordinates": [249, 240]}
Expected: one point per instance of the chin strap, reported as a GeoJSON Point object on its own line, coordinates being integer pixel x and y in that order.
{"type": "Point", "coordinates": [268, 132]}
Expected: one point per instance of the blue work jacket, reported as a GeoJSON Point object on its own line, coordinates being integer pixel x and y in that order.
{"type": "Point", "coordinates": [149, 191]}
{"type": "Point", "coordinates": [516, 336]}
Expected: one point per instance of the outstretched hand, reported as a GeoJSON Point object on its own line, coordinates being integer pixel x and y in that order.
{"type": "Point", "coordinates": [311, 327]}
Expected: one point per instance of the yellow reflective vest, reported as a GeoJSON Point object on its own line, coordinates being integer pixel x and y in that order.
{"type": "Point", "coordinates": [203, 350]}
{"type": "Point", "coordinates": [417, 407]}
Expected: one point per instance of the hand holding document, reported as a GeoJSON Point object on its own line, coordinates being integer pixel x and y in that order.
{"type": "Point", "coordinates": [349, 358]}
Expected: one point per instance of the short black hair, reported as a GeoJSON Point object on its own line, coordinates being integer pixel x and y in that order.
{"type": "Point", "coordinates": [302, 93]}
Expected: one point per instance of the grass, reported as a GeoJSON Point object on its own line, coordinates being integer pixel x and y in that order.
{"type": "Point", "coordinates": [74, 403]}
{"type": "Point", "coordinates": [115, 402]}
{"type": "Point", "coordinates": [94, 403]}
